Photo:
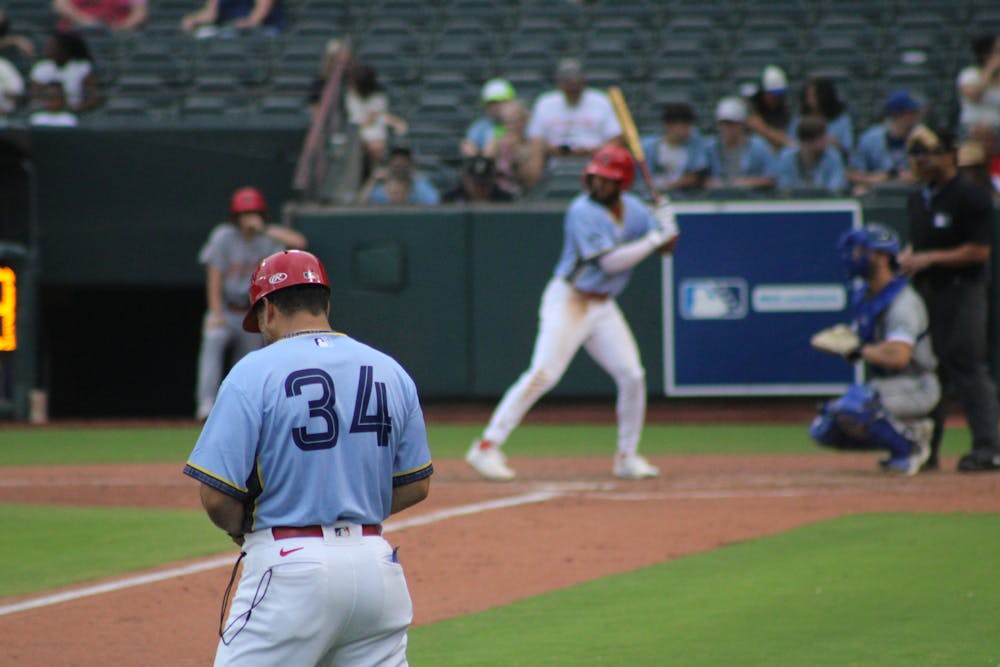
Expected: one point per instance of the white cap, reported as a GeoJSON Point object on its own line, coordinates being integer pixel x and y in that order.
{"type": "Point", "coordinates": [732, 109]}
{"type": "Point", "coordinates": [774, 80]}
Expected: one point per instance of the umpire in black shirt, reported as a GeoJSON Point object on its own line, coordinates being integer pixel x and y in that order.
{"type": "Point", "coordinates": [950, 231]}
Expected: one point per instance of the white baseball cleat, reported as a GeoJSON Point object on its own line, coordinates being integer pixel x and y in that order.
{"type": "Point", "coordinates": [487, 459]}
{"type": "Point", "coordinates": [634, 466]}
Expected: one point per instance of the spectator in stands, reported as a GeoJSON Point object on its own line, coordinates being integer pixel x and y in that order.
{"type": "Point", "coordinates": [573, 120]}
{"type": "Point", "coordinates": [12, 86]}
{"type": "Point", "coordinates": [819, 96]}
{"type": "Point", "coordinates": [114, 15]}
{"type": "Point", "coordinates": [769, 116]}
{"type": "Point", "coordinates": [337, 51]}
{"type": "Point", "coordinates": [479, 184]}
{"type": "Point", "coordinates": [494, 96]}
{"type": "Point", "coordinates": [389, 186]}
{"type": "Point", "coordinates": [227, 18]}
{"type": "Point", "coordinates": [517, 165]}
{"type": "Point", "coordinates": [386, 182]}
{"type": "Point", "coordinates": [368, 107]}
{"type": "Point", "coordinates": [971, 163]}
{"type": "Point", "coordinates": [979, 93]}
{"type": "Point", "coordinates": [19, 43]}
{"type": "Point", "coordinates": [63, 83]}
{"type": "Point", "coordinates": [814, 162]}
{"type": "Point", "coordinates": [880, 154]}
{"type": "Point", "coordinates": [677, 158]}
{"type": "Point", "coordinates": [737, 159]}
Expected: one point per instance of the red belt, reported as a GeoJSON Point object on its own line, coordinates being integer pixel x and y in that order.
{"type": "Point", "coordinates": [287, 532]}
{"type": "Point", "coordinates": [237, 309]}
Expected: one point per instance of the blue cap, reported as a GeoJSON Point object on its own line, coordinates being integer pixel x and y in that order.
{"type": "Point", "coordinates": [900, 101]}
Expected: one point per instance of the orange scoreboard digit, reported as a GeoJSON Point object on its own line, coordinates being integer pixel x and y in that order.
{"type": "Point", "coordinates": [8, 303]}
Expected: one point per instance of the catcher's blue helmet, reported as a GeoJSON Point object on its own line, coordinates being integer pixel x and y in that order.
{"type": "Point", "coordinates": [873, 236]}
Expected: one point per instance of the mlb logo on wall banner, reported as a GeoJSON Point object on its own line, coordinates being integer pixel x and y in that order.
{"type": "Point", "coordinates": [749, 284]}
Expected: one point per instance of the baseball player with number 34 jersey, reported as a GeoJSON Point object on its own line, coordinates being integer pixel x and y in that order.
{"type": "Point", "coordinates": [607, 232]}
{"type": "Point", "coordinates": [312, 442]}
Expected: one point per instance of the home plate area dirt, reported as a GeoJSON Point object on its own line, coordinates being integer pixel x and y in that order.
{"type": "Point", "coordinates": [472, 545]}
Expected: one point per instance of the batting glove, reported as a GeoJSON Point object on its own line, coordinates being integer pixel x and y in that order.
{"type": "Point", "coordinates": [667, 219]}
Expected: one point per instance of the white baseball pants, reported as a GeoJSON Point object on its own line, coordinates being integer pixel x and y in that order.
{"type": "Point", "coordinates": [567, 320]}
{"type": "Point", "coordinates": [339, 600]}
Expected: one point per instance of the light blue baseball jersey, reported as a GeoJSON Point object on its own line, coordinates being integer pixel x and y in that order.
{"type": "Point", "coordinates": [877, 151]}
{"type": "Point", "coordinates": [756, 158]}
{"type": "Point", "coordinates": [840, 128]}
{"type": "Point", "coordinates": [482, 130]}
{"type": "Point", "coordinates": [312, 429]}
{"type": "Point", "coordinates": [590, 230]}
{"type": "Point", "coordinates": [663, 159]}
{"type": "Point", "coordinates": [829, 173]}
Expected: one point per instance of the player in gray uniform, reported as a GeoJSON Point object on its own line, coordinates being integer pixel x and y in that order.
{"type": "Point", "coordinates": [891, 410]}
{"type": "Point", "coordinates": [230, 255]}
{"type": "Point", "coordinates": [314, 440]}
{"type": "Point", "coordinates": [608, 231]}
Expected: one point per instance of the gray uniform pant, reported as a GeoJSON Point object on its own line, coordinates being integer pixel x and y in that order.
{"type": "Point", "coordinates": [958, 330]}
{"type": "Point", "coordinates": [212, 356]}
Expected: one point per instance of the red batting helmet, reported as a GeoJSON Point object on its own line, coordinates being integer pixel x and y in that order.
{"type": "Point", "coordinates": [613, 162]}
{"type": "Point", "coordinates": [278, 271]}
{"type": "Point", "coordinates": [247, 200]}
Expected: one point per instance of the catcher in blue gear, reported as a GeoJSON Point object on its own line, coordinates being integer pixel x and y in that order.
{"type": "Point", "coordinates": [889, 333]}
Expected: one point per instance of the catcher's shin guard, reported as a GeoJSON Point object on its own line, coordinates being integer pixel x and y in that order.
{"type": "Point", "coordinates": [857, 420]}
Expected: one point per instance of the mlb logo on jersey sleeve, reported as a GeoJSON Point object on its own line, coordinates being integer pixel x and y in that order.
{"type": "Point", "coordinates": [713, 299]}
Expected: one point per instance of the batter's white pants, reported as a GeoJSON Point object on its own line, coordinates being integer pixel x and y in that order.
{"type": "Point", "coordinates": [567, 320]}
{"type": "Point", "coordinates": [338, 601]}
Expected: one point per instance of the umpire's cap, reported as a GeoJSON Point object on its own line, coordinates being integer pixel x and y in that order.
{"type": "Point", "coordinates": [278, 271]}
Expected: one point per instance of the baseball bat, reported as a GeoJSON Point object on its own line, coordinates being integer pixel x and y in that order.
{"type": "Point", "coordinates": [632, 140]}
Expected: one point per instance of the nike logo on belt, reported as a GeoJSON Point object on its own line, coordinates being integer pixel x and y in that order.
{"type": "Point", "coordinates": [285, 552]}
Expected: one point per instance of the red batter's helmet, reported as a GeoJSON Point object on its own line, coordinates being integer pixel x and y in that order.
{"type": "Point", "coordinates": [613, 162]}
{"type": "Point", "coordinates": [247, 200]}
{"type": "Point", "coordinates": [278, 271]}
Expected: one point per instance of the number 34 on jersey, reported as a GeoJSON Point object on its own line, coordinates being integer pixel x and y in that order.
{"type": "Point", "coordinates": [370, 416]}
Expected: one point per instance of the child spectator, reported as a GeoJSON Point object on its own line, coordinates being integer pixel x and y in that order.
{"type": "Point", "coordinates": [813, 163]}
{"type": "Point", "coordinates": [368, 108]}
{"type": "Point", "coordinates": [880, 154]}
{"type": "Point", "coordinates": [63, 83]}
{"type": "Point", "coordinates": [677, 158]}
{"type": "Point", "coordinates": [737, 159]}
{"type": "Point", "coordinates": [769, 114]}
{"type": "Point", "coordinates": [494, 96]}
{"type": "Point", "coordinates": [819, 96]}
{"type": "Point", "coordinates": [517, 166]}
{"type": "Point", "coordinates": [479, 184]}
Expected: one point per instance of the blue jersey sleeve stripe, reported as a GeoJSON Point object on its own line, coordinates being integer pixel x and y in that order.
{"type": "Point", "coordinates": [216, 483]}
{"type": "Point", "coordinates": [411, 476]}
{"type": "Point", "coordinates": [214, 476]}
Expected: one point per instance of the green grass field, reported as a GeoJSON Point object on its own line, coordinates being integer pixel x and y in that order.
{"type": "Point", "coordinates": [863, 590]}
{"type": "Point", "coordinates": [150, 445]}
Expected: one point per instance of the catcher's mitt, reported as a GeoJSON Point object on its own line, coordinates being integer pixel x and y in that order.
{"type": "Point", "coordinates": [838, 339]}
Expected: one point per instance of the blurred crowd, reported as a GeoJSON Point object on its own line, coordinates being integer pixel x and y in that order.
{"type": "Point", "coordinates": [769, 136]}
{"type": "Point", "coordinates": [766, 139]}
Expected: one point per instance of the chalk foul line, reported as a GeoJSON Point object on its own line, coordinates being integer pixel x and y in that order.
{"type": "Point", "coordinates": [228, 560]}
